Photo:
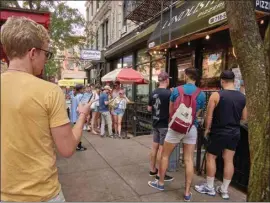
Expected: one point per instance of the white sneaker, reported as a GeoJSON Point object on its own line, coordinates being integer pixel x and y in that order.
{"type": "Point", "coordinates": [223, 194]}
{"type": "Point", "coordinates": [84, 127]}
{"type": "Point", "coordinates": [204, 189]}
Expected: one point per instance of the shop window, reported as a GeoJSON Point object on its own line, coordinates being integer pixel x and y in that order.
{"type": "Point", "coordinates": [127, 63]}
{"type": "Point", "coordinates": [213, 64]}
{"type": "Point", "coordinates": [143, 66]}
{"type": "Point", "coordinates": [183, 61]}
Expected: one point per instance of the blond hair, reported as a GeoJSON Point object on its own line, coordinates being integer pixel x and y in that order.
{"type": "Point", "coordinates": [20, 34]}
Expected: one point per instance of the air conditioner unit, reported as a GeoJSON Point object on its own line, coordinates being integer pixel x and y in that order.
{"type": "Point", "coordinates": [93, 73]}
{"type": "Point", "coordinates": [124, 30]}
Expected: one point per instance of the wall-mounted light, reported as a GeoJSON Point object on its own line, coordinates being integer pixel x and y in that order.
{"type": "Point", "coordinates": [165, 49]}
{"type": "Point", "coordinates": [262, 22]}
{"type": "Point", "coordinates": [207, 37]}
{"type": "Point", "coordinates": [188, 43]}
{"type": "Point", "coordinates": [176, 46]}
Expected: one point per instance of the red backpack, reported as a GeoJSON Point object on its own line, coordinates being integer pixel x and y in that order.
{"type": "Point", "coordinates": [184, 113]}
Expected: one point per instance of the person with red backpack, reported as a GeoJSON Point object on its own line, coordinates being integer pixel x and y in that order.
{"type": "Point", "coordinates": [186, 102]}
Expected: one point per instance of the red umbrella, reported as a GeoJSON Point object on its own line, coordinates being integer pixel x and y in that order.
{"type": "Point", "coordinates": [125, 76]}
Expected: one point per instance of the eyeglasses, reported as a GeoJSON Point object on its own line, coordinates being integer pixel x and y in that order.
{"type": "Point", "coordinates": [48, 54]}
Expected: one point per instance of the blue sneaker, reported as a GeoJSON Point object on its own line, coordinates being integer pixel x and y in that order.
{"type": "Point", "coordinates": [187, 198]}
{"type": "Point", "coordinates": [204, 189]}
{"type": "Point", "coordinates": [154, 184]}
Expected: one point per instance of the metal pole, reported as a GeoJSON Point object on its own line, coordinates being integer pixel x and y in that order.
{"type": "Point", "coordinates": [161, 19]}
{"type": "Point", "coordinates": [169, 55]}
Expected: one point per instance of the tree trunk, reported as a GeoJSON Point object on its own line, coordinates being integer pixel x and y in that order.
{"type": "Point", "coordinates": [254, 65]}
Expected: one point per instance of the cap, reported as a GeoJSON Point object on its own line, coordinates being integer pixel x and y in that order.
{"type": "Point", "coordinates": [227, 75]}
{"type": "Point", "coordinates": [163, 76]}
{"type": "Point", "coordinates": [107, 87]}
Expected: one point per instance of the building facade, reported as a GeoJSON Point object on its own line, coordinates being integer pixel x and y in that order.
{"type": "Point", "coordinates": [106, 24]}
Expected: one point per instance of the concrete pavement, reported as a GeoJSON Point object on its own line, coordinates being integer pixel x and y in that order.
{"type": "Point", "coordinates": [113, 170]}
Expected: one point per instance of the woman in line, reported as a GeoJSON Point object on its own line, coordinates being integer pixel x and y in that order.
{"type": "Point", "coordinates": [119, 107]}
{"type": "Point", "coordinates": [95, 109]}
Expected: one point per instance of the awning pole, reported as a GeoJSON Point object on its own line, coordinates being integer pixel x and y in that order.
{"type": "Point", "coordinates": [169, 54]}
{"type": "Point", "coordinates": [161, 18]}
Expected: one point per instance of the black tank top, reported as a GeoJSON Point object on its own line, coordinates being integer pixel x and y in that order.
{"type": "Point", "coordinates": [228, 113]}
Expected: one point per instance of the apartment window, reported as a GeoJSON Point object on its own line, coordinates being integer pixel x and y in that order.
{"type": "Point", "coordinates": [87, 14]}
{"type": "Point", "coordinates": [107, 33]}
{"type": "Point", "coordinates": [97, 2]}
{"type": "Point", "coordinates": [97, 39]}
{"type": "Point", "coordinates": [103, 35]}
{"type": "Point", "coordinates": [92, 9]}
{"type": "Point", "coordinates": [124, 13]}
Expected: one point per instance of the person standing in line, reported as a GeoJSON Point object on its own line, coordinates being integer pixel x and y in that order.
{"type": "Point", "coordinates": [105, 113]}
{"type": "Point", "coordinates": [158, 104]}
{"type": "Point", "coordinates": [35, 120]}
{"type": "Point", "coordinates": [224, 111]}
{"type": "Point", "coordinates": [173, 138]}
{"type": "Point", "coordinates": [119, 107]}
{"type": "Point", "coordinates": [75, 101]}
{"type": "Point", "coordinates": [95, 110]}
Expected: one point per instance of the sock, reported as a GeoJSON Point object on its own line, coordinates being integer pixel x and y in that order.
{"type": "Point", "coordinates": [225, 185]}
{"type": "Point", "coordinates": [80, 145]}
{"type": "Point", "coordinates": [210, 182]}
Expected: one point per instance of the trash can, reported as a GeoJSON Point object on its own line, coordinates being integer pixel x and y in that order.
{"type": "Point", "coordinates": [174, 161]}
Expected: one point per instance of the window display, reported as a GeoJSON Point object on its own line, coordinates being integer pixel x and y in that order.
{"type": "Point", "coordinates": [143, 67]}
{"type": "Point", "coordinates": [184, 61]}
{"type": "Point", "coordinates": [212, 64]}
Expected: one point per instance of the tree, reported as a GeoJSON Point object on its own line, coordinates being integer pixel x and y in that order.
{"type": "Point", "coordinates": [64, 23]}
{"type": "Point", "coordinates": [253, 57]}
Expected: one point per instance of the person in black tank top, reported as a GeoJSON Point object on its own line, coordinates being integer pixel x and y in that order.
{"type": "Point", "coordinates": [224, 112]}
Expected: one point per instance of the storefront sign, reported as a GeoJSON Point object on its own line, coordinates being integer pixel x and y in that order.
{"type": "Point", "coordinates": [263, 6]}
{"type": "Point", "coordinates": [87, 54]}
{"type": "Point", "coordinates": [194, 16]}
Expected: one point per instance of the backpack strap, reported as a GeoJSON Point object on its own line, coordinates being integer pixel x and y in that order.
{"type": "Point", "coordinates": [196, 93]}
{"type": "Point", "coordinates": [181, 93]}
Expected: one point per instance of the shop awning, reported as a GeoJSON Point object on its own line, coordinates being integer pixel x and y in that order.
{"type": "Point", "coordinates": [188, 18]}
{"type": "Point", "coordinates": [191, 17]}
{"type": "Point", "coordinates": [70, 83]}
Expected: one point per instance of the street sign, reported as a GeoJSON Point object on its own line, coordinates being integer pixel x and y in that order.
{"type": "Point", "coordinates": [88, 54]}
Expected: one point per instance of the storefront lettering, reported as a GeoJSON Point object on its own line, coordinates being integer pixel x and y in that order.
{"type": "Point", "coordinates": [217, 18]}
{"type": "Point", "coordinates": [193, 10]}
{"type": "Point", "coordinates": [263, 4]}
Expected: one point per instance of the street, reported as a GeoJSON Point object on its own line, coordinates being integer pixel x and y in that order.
{"type": "Point", "coordinates": [117, 171]}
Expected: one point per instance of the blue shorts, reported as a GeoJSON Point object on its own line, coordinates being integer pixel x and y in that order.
{"type": "Point", "coordinates": [118, 112]}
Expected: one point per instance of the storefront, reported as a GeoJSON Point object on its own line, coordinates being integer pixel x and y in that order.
{"type": "Point", "coordinates": [195, 34]}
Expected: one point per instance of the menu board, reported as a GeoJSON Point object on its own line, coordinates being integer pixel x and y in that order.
{"type": "Point", "coordinates": [212, 64]}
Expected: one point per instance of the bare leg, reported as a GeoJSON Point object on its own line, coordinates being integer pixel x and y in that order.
{"type": "Point", "coordinates": [189, 166]}
{"type": "Point", "coordinates": [167, 150]}
{"type": "Point", "coordinates": [119, 124]}
{"type": "Point", "coordinates": [153, 156]}
{"type": "Point", "coordinates": [93, 123]}
{"type": "Point", "coordinates": [228, 168]}
{"type": "Point", "coordinates": [115, 122]}
{"type": "Point", "coordinates": [210, 169]}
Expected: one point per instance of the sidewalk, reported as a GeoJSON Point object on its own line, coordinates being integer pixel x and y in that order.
{"type": "Point", "coordinates": [113, 170]}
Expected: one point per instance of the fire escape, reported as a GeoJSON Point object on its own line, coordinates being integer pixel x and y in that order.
{"type": "Point", "coordinates": [141, 11]}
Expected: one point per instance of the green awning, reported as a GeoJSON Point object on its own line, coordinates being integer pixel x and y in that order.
{"type": "Point", "coordinates": [187, 18]}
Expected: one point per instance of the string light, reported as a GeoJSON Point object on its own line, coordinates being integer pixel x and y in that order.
{"type": "Point", "coordinates": [176, 46]}
{"type": "Point", "coordinates": [207, 37]}
{"type": "Point", "coordinates": [188, 43]}
{"type": "Point", "coordinates": [165, 49]}
{"type": "Point", "coordinates": [155, 52]}
{"type": "Point", "coordinates": [262, 22]}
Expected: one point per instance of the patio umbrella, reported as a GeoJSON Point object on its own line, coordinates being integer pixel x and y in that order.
{"type": "Point", "coordinates": [125, 76]}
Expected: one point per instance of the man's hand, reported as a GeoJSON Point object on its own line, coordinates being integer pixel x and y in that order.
{"type": "Point", "coordinates": [206, 134]}
{"type": "Point", "coordinates": [84, 109]}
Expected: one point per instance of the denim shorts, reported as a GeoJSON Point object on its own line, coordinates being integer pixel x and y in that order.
{"type": "Point", "coordinates": [118, 112]}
